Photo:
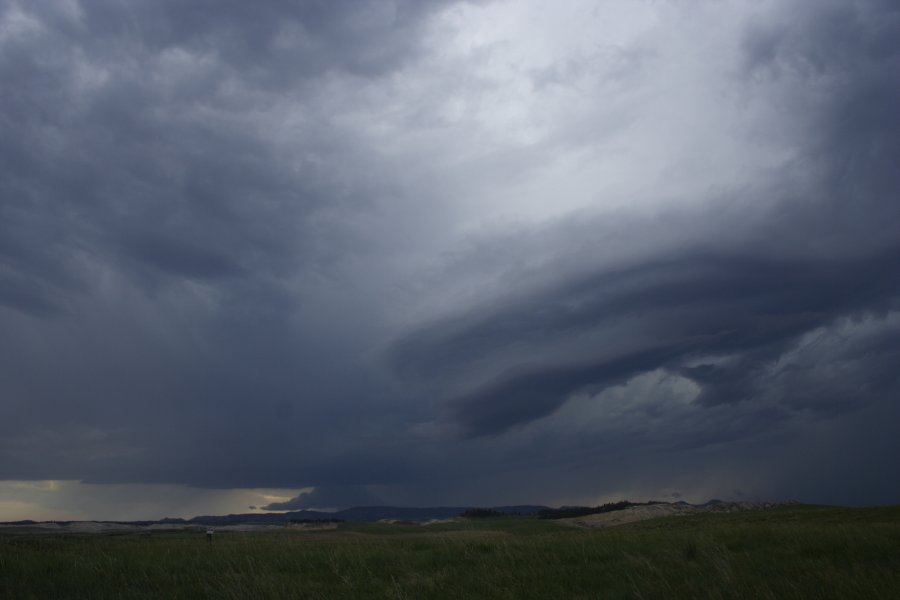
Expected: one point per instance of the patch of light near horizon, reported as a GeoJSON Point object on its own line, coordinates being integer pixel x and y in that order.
{"type": "Point", "coordinates": [47, 500]}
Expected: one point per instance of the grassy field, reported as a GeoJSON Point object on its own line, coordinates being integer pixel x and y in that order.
{"type": "Point", "coordinates": [788, 552]}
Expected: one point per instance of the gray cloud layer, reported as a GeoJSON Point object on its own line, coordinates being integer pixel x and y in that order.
{"type": "Point", "coordinates": [278, 245]}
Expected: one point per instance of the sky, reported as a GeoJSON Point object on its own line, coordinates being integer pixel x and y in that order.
{"type": "Point", "coordinates": [280, 255]}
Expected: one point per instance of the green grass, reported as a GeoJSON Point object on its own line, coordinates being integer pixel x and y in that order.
{"type": "Point", "coordinates": [789, 552]}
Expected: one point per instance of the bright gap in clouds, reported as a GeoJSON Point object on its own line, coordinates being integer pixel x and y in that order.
{"type": "Point", "coordinates": [597, 106]}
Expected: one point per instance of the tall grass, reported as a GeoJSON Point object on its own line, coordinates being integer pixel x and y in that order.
{"type": "Point", "coordinates": [796, 552]}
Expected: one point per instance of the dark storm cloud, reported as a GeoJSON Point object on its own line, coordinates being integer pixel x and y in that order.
{"type": "Point", "coordinates": [180, 258]}
{"type": "Point", "coordinates": [751, 299]}
{"type": "Point", "coordinates": [215, 216]}
{"type": "Point", "coordinates": [269, 41]}
{"type": "Point", "coordinates": [333, 497]}
{"type": "Point", "coordinates": [826, 250]}
{"type": "Point", "coordinates": [123, 124]}
{"type": "Point", "coordinates": [163, 239]}
{"type": "Point", "coordinates": [521, 398]}
{"type": "Point", "coordinates": [753, 307]}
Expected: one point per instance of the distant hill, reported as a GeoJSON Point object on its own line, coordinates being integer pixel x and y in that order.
{"type": "Point", "coordinates": [423, 514]}
{"type": "Point", "coordinates": [358, 513]}
{"type": "Point", "coordinates": [568, 512]}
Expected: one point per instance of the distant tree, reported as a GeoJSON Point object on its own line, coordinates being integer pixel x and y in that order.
{"type": "Point", "coordinates": [568, 512]}
{"type": "Point", "coordinates": [481, 513]}
{"type": "Point", "coordinates": [314, 521]}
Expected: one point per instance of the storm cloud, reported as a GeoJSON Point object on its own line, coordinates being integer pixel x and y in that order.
{"type": "Point", "coordinates": [451, 252]}
{"type": "Point", "coordinates": [334, 497]}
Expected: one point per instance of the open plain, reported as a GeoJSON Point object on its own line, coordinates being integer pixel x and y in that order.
{"type": "Point", "coordinates": [787, 551]}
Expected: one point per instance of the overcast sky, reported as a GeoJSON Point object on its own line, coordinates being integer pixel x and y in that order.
{"type": "Point", "coordinates": [316, 254]}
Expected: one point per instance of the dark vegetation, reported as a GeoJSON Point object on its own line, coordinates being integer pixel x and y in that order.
{"type": "Point", "coordinates": [357, 513]}
{"type": "Point", "coordinates": [568, 512]}
{"type": "Point", "coordinates": [314, 521]}
{"type": "Point", "coordinates": [784, 552]}
{"type": "Point", "coordinates": [482, 513]}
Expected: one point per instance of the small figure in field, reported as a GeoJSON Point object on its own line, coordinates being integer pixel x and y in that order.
{"type": "Point", "coordinates": [209, 534]}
